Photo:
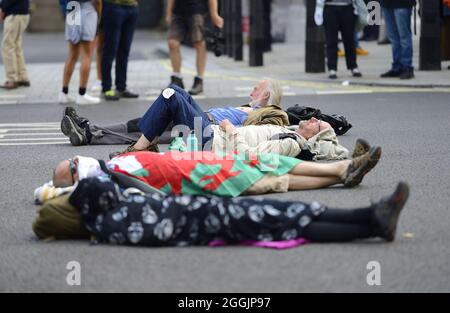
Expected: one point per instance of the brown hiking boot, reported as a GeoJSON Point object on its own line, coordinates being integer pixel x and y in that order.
{"type": "Point", "coordinates": [387, 212]}
{"type": "Point", "coordinates": [361, 148]}
{"type": "Point", "coordinates": [360, 166]}
{"type": "Point", "coordinates": [151, 148]}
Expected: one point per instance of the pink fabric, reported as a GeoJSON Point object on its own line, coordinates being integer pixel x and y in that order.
{"type": "Point", "coordinates": [286, 244]}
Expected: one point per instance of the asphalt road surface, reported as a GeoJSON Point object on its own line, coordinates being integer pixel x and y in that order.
{"type": "Point", "coordinates": [412, 128]}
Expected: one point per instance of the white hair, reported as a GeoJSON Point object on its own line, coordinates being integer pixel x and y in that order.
{"type": "Point", "coordinates": [275, 90]}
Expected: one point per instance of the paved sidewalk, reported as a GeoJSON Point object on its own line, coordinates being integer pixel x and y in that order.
{"type": "Point", "coordinates": [149, 71]}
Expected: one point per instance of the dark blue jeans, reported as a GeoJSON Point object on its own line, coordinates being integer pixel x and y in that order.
{"type": "Point", "coordinates": [398, 28]}
{"type": "Point", "coordinates": [119, 22]}
{"type": "Point", "coordinates": [180, 109]}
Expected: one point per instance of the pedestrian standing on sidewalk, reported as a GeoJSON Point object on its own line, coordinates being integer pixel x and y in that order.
{"type": "Point", "coordinates": [119, 22]}
{"type": "Point", "coordinates": [186, 19]}
{"type": "Point", "coordinates": [338, 16]}
{"type": "Point", "coordinates": [397, 15]}
{"type": "Point", "coordinates": [16, 16]}
{"type": "Point", "coordinates": [80, 38]}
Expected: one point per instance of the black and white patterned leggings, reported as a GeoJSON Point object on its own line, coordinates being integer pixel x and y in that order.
{"type": "Point", "coordinates": [155, 220]}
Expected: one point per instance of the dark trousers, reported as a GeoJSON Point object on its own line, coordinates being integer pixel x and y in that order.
{"type": "Point", "coordinates": [119, 23]}
{"type": "Point", "coordinates": [181, 110]}
{"type": "Point", "coordinates": [340, 19]}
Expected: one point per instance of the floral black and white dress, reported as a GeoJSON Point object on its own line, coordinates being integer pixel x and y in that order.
{"type": "Point", "coordinates": [117, 217]}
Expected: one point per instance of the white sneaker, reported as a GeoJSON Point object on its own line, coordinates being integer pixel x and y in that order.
{"type": "Point", "coordinates": [332, 74]}
{"type": "Point", "coordinates": [97, 88]}
{"type": "Point", "coordinates": [87, 99]}
{"type": "Point", "coordinates": [65, 98]}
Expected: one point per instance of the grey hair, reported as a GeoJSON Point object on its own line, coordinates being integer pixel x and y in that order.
{"type": "Point", "coordinates": [275, 90]}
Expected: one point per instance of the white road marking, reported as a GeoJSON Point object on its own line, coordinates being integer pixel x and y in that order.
{"type": "Point", "coordinates": [343, 92]}
{"type": "Point", "coordinates": [28, 139]}
{"type": "Point", "coordinates": [21, 134]}
{"type": "Point", "coordinates": [35, 143]}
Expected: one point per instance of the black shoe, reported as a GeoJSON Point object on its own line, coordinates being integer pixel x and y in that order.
{"type": "Point", "coordinates": [391, 73]}
{"type": "Point", "coordinates": [76, 134]}
{"type": "Point", "coordinates": [126, 94]}
{"type": "Point", "coordinates": [111, 95]}
{"type": "Point", "coordinates": [332, 74]}
{"type": "Point", "coordinates": [407, 73]}
{"type": "Point", "coordinates": [197, 87]}
{"type": "Point", "coordinates": [24, 83]}
{"type": "Point", "coordinates": [70, 111]}
{"type": "Point", "coordinates": [387, 211]}
{"type": "Point", "coordinates": [356, 73]}
{"type": "Point", "coordinates": [176, 81]}
{"type": "Point", "coordinates": [82, 122]}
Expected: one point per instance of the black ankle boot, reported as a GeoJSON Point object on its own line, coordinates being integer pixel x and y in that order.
{"type": "Point", "coordinates": [197, 87]}
{"type": "Point", "coordinates": [176, 81]}
{"type": "Point", "coordinates": [387, 211]}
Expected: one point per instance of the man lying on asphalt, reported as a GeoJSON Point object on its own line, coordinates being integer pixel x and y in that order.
{"type": "Point", "coordinates": [228, 175]}
{"type": "Point", "coordinates": [264, 108]}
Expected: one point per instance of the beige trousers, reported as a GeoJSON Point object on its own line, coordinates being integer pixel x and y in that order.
{"type": "Point", "coordinates": [12, 52]}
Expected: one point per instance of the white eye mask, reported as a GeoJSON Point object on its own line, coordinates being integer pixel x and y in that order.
{"type": "Point", "coordinates": [88, 167]}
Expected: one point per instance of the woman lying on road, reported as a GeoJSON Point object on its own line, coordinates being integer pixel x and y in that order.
{"type": "Point", "coordinates": [97, 207]}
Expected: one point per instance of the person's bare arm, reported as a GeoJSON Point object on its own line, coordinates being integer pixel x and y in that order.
{"type": "Point", "coordinates": [214, 12]}
{"type": "Point", "coordinates": [169, 11]}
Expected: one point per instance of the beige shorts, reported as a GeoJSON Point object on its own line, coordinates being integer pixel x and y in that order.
{"type": "Point", "coordinates": [192, 26]}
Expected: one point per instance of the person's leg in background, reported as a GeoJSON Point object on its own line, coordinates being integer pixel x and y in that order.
{"type": "Point", "coordinates": [9, 47]}
{"type": "Point", "coordinates": [126, 39]}
{"type": "Point", "coordinates": [112, 24]}
{"type": "Point", "coordinates": [394, 37]}
{"type": "Point", "coordinates": [86, 53]}
{"type": "Point", "coordinates": [97, 47]}
{"type": "Point", "coordinates": [177, 31]}
{"type": "Point", "coordinates": [331, 25]}
{"type": "Point", "coordinates": [347, 23]}
{"type": "Point", "coordinates": [69, 67]}
{"type": "Point", "coordinates": [196, 25]}
{"type": "Point", "coordinates": [23, 80]}
{"type": "Point", "coordinates": [403, 20]}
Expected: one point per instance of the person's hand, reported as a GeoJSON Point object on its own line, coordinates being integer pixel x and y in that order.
{"type": "Point", "coordinates": [2, 15]}
{"type": "Point", "coordinates": [217, 21]}
{"type": "Point", "coordinates": [318, 17]}
{"type": "Point", "coordinates": [226, 126]}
